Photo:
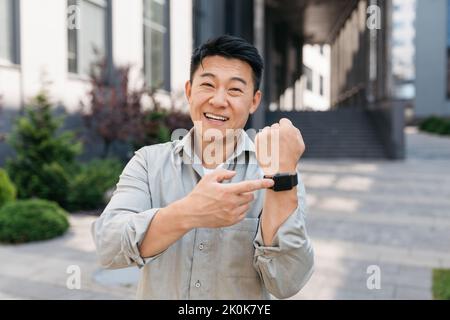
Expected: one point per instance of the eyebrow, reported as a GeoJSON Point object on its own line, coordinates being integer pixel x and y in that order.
{"type": "Point", "coordinates": [210, 75]}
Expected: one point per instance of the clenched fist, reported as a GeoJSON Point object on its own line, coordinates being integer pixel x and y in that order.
{"type": "Point", "coordinates": [279, 147]}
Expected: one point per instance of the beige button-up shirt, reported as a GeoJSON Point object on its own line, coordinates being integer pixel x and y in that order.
{"type": "Point", "coordinates": [206, 263]}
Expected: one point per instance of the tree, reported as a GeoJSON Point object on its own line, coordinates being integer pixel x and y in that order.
{"type": "Point", "coordinates": [114, 110]}
{"type": "Point", "coordinates": [2, 134]}
{"type": "Point", "coordinates": [44, 161]}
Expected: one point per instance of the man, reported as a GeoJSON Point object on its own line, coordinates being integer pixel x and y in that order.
{"type": "Point", "coordinates": [196, 214]}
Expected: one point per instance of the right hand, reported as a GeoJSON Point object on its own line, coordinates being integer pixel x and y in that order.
{"type": "Point", "coordinates": [213, 204]}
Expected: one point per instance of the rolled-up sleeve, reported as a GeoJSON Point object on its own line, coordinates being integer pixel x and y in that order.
{"type": "Point", "coordinates": [120, 229]}
{"type": "Point", "coordinates": [288, 263]}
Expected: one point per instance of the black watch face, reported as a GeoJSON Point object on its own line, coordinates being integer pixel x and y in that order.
{"type": "Point", "coordinates": [283, 182]}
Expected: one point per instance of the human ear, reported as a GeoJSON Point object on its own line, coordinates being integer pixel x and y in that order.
{"type": "Point", "coordinates": [188, 89]}
{"type": "Point", "coordinates": [255, 101]}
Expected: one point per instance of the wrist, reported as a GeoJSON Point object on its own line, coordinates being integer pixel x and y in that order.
{"type": "Point", "coordinates": [281, 169]}
{"type": "Point", "coordinates": [283, 181]}
{"type": "Point", "coordinates": [184, 216]}
{"type": "Point", "coordinates": [288, 168]}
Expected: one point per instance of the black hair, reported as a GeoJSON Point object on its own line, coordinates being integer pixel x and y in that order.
{"type": "Point", "coordinates": [228, 46]}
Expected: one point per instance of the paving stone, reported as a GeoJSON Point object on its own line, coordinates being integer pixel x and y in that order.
{"type": "Point", "coordinates": [393, 214]}
{"type": "Point", "coordinates": [412, 293]}
{"type": "Point", "coordinates": [390, 213]}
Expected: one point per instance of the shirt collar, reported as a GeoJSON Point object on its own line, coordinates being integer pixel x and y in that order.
{"type": "Point", "coordinates": [186, 145]}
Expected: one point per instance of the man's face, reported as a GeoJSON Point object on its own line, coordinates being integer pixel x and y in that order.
{"type": "Point", "coordinates": [221, 94]}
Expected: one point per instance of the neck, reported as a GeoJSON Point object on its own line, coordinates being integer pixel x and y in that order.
{"type": "Point", "coordinates": [215, 151]}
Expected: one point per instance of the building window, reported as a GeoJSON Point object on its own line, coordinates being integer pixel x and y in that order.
{"type": "Point", "coordinates": [403, 50]}
{"type": "Point", "coordinates": [156, 44]}
{"type": "Point", "coordinates": [308, 75]}
{"type": "Point", "coordinates": [88, 41]}
{"type": "Point", "coordinates": [8, 31]}
{"type": "Point", "coordinates": [321, 85]}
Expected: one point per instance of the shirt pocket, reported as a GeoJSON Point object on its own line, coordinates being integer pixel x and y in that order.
{"type": "Point", "coordinates": [237, 250]}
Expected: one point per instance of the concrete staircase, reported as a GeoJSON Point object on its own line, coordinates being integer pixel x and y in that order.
{"type": "Point", "coordinates": [344, 133]}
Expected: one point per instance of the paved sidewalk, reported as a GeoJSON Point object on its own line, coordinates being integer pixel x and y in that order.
{"type": "Point", "coordinates": [39, 270]}
{"type": "Point", "coordinates": [392, 214]}
{"type": "Point", "coordinates": [395, 215]}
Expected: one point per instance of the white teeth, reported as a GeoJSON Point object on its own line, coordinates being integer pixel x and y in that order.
{"type": "Point", "coordinates": [215, 117]}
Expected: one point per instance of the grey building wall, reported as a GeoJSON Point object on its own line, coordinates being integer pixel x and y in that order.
{"type": "Point", "coordinates": [214, 18]}
{"type": "Point", "coordinates": [431, 59]}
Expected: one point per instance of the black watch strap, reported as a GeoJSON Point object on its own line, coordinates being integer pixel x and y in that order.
{"type": "Point", "coordinates": [283, 181]}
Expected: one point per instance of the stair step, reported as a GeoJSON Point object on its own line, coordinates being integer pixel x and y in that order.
{"type": "Point", "coordinates": [344, 133]}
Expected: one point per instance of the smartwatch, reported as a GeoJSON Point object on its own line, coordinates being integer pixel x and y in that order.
{"type": "Point", "coordinates": [283, 181]}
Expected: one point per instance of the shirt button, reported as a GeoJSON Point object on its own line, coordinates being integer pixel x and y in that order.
{"type": "Point", "coordinates": [200, 246]}
{"type": "Point", "coordinates": [198, 284]}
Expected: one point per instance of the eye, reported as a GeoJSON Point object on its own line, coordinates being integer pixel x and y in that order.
{"type": "Point", "coordinates": [206, 84]}
{"type": "Point", "coordinates": [236, 90]}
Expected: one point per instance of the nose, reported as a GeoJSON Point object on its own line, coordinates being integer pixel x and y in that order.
{"type": "Point", "coordinates": [219, 99]}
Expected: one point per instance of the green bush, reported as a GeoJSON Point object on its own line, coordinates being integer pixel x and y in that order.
{"type": "Point", "coordinates": [45, 161]}
{"type": "Point", "coordinates": [443, 128]}
{"type": "Point", "coordinates": [7, 188]}
{"type": "Point", "coordinates": [429, 124]}
{"type": "Point", "coordinates": [31, 220]}
{"type": "Point", "coordinates": [441, 284]}
{"type": "Point", "coordinates": [88, 188]}
{"type": "Point", "coordinates": [159, 124]}
{"type": "Point", "coordinates": [435, 124]}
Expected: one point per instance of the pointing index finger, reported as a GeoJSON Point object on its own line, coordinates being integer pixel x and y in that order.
{"type": "Point", "coordinates": [250, 185]}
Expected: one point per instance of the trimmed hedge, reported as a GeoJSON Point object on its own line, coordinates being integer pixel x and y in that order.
{"type": "Point", "coordinates": [32, 220]}
{"type": "Point", "coordinates": [7, 188]}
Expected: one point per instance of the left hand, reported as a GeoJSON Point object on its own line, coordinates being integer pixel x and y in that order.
{"type": "Point", "coordinates": [279, 147]}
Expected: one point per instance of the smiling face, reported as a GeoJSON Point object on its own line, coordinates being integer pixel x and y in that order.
{"type": "Point", "coordinates": [221, 95]}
